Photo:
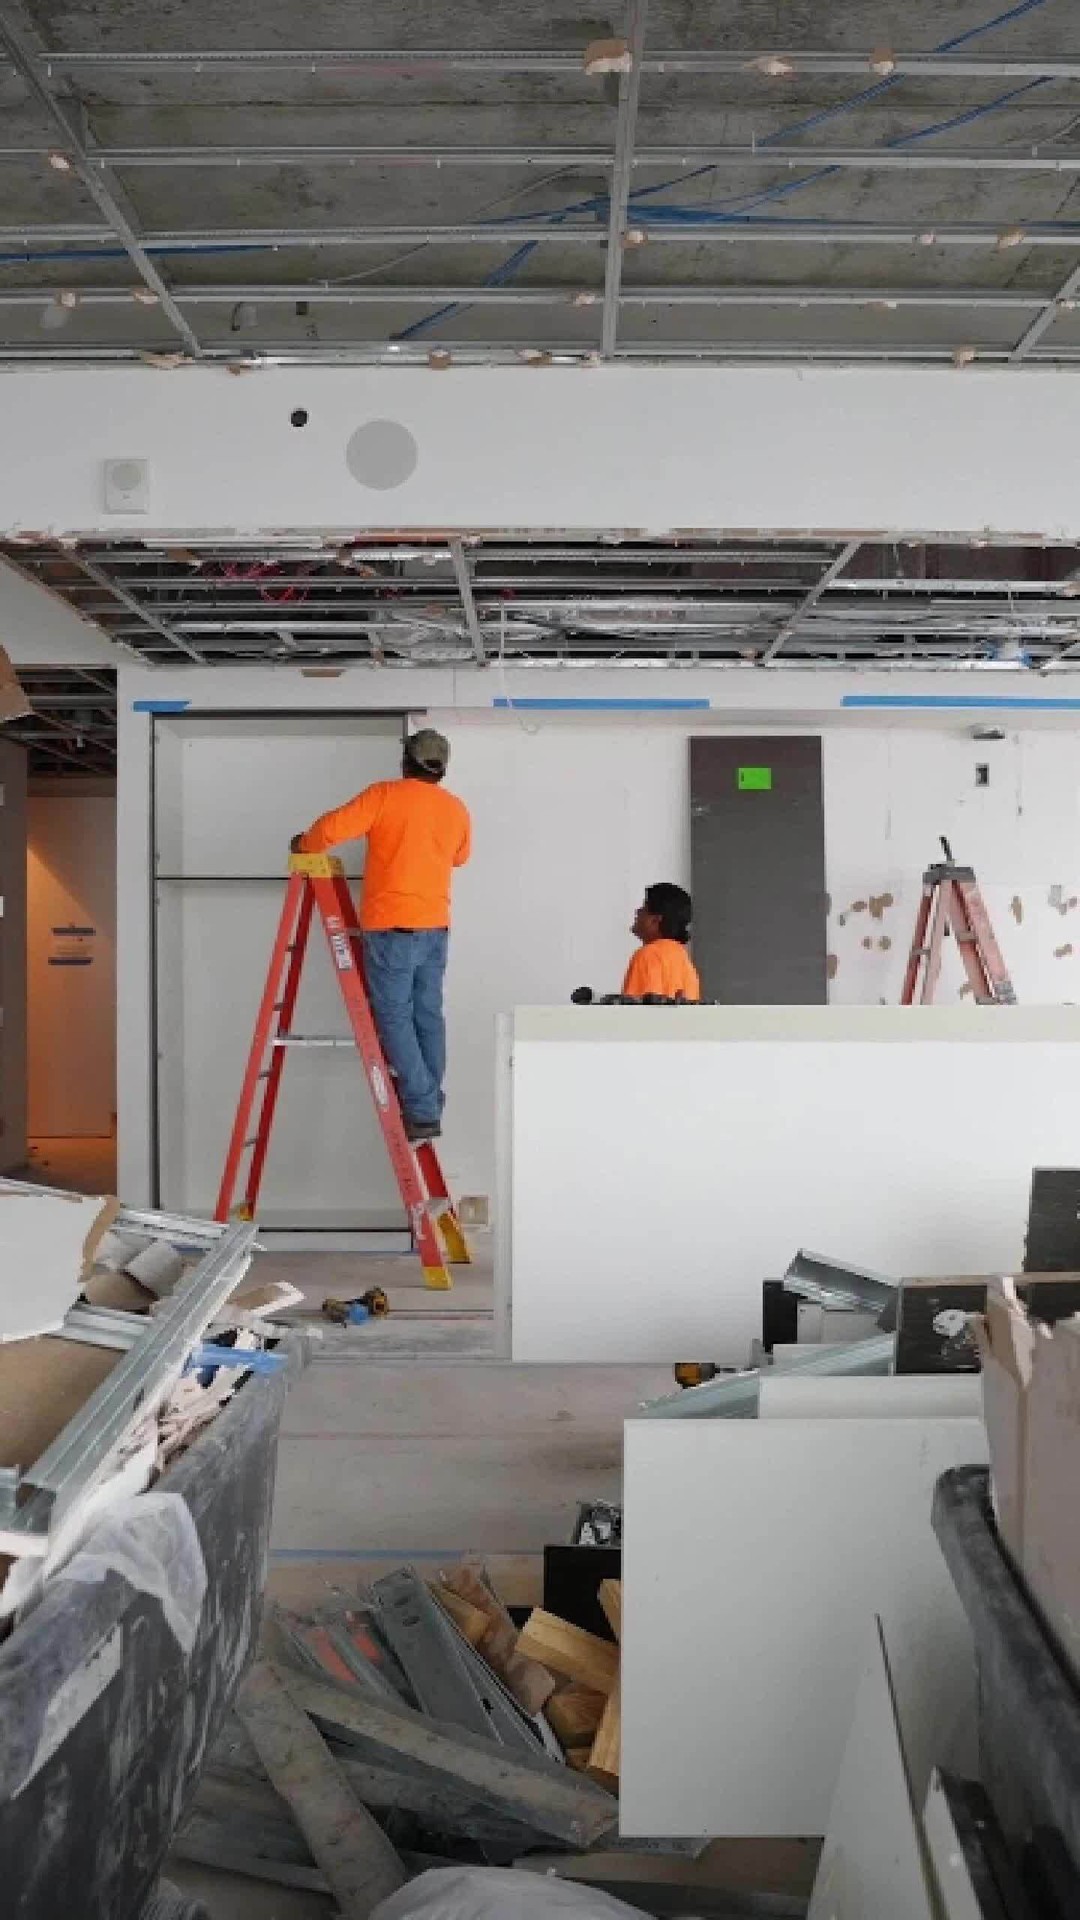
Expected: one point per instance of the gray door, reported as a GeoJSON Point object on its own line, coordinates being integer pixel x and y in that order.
{"type": "Point", "coordinates": [757, 855]}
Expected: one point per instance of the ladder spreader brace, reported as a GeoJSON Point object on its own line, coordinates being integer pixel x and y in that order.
{"type": "Point", "coordinates": [317, 884]}
{"type": "Point", "coordinates": [951, 900]}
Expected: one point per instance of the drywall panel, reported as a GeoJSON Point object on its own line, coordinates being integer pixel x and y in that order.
{"type": "Point", "coordinates": [230, 793]}
{"type": "Point", "coordinates": [666, 1161]}
{"type": "Point", "coordinates": [908, 1396]}
{"type": "Point", "coordinates": [755, 1555]}
{"type": "Point", "coordinates": [12, 956]}
{"type": "Point", "coordinates": [71, 960]}
{"type": "Point", "coordinates": [38, 628]}
{"type": "Point", "coordinates": [872, 1862]}
{"type": "Point", "coordinates": [651, 447]}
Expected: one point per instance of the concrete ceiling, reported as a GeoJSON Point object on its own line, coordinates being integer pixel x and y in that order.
{"type": "Point", "coordinates": [759, 242]}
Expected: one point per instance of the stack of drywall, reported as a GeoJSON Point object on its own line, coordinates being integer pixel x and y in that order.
{"type": "Point", "coordinates": [756, 1556]}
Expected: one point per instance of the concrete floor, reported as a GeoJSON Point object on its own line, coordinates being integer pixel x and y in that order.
{"type": "Point", "coordinates": [406, 1441]}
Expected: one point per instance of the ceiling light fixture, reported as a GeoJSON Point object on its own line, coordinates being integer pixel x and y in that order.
{"type": "Point", "coordinates": [583, 299]}
{"type": "Point", "coordinates": [776, 66]}
{"type": "Point", "coordinates": [439, 359]}
{"type": "Point", "coordinates": [67, 298]}
{"type": "Point", "coordinates": [963, 356]}
{"type": "Point", "coordinates": [634, 237]}
{"type": "Point", "coordinates": [59, 161]}
{"type": "Point", "coordinates": [927, 239]}
{"type": "Point", "coordinates": [882, 60]}
{"type": "Point", "coordinates": [1012, 237]}
{"type": "Point", "coordinates": [144, 296]}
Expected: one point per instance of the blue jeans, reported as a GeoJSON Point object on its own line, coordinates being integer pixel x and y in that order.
{"type": "Point", "coordinates": [404, 974]}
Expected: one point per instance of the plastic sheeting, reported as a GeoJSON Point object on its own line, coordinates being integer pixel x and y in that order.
{"type": "Point", "coordinates": [498, 1893]}
{"type": "Point", "coordinates": [151, 1542]}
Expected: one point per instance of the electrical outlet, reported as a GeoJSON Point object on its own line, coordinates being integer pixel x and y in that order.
{"type": "Point", "coordinates": [474, 1210]}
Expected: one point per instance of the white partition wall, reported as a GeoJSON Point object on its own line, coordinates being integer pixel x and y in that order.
{"type": "Point", "coordinates": [229, 793]}
{"type": "Point", "coordinates": [663, 1162]}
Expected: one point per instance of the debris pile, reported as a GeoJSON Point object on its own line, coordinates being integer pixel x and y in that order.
{"type": "Point", "coordinates": [437, 1730]}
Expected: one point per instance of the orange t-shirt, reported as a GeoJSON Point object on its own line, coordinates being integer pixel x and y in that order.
{"type": "Point", "coordinates": [417, 833]}
{"type": "Point", "coordinates": [663, 966]}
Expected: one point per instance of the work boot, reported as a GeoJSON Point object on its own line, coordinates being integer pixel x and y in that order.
{"type": "Point", "coordinates": [416, 1130]}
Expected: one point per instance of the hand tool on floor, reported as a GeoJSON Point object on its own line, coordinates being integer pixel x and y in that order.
{"type": "Point", "coordinates": [952, 902]}
{"type": "Point", "coordinates": [317, 885]}
{"type": "Point", "coordinates": [373, 1305]}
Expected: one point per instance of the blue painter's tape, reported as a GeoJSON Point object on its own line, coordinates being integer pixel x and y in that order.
{"type": "Point", "coordinates": [603, 706]}
{"type": "Point", "coordinates": [160, 706]}
{"type": "Point", "coordinates": [1000, 703]}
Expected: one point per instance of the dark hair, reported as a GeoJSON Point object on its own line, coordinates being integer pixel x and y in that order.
{"type": "Point", "coordinates": [412, 770]}
{"type": "Point", "coordinates": [673, 908]}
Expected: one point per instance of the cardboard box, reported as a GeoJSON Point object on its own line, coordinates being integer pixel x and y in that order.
{"type": "Point", "coordinates": [1031, 1403]}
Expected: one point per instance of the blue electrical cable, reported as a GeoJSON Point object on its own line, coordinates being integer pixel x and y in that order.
{"type": "Point", "coordinates": [734, 211]}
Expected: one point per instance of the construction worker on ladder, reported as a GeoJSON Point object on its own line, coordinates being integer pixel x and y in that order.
{"type": "Point", "coordinates": [416, 835]}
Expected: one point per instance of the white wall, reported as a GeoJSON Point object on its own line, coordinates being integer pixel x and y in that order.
{"type": "Point", "coordinates": [880, 449]}
{"type": "Point", "coordinates": [575, 813]}
{"type": "Point", "coordinates": [71, 881]}
{"type": "Point", "coordinates": [572, 823]}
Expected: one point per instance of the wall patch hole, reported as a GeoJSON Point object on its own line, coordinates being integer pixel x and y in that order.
{"type": "Point", "coordinates": [299, 417]}
{"type": "Point", "coordinates": [982, 774]}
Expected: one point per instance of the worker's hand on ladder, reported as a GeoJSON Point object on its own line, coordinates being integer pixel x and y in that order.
{"type": "Point", "coordinates": [296, 843]}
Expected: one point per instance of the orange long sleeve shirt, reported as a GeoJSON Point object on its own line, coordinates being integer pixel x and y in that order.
{"type": "Point", "coordinates": [417, 834]}
{"type": "Point", "coordinates": [663, 966]}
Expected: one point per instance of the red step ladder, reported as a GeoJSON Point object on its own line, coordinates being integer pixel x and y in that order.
{"type": "Point", "coordinates": [951, 901]}
{"type": "Point", "coordinates": [317, 884]}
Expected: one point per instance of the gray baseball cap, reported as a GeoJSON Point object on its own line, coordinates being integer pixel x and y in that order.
{"type": "Point", "coordinates": [429, 750]}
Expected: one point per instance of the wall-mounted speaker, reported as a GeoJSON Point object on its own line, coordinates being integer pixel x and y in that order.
{"type": "Point", "coordinates": [126, 486]}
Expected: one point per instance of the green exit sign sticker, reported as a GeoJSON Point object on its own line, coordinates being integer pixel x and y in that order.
{"type": "Point", "coordinates": [755, 779]}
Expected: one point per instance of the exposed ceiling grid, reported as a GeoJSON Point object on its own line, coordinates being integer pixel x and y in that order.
{"type": "Point", "coordinates": [349, 184]}
{"type": "Point", "coordinates": [460, 186]}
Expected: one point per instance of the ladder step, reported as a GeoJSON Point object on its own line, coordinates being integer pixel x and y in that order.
{"type": "Point", "coordinates": [313, 1040]}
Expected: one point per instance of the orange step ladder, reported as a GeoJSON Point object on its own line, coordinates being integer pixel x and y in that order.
{"type": "Point", "coordinates": [317, 885]}
{"type": "Point", "coordinates": [951, 902]}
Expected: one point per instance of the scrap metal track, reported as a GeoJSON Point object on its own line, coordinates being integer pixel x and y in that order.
{"type": "Point", "coordinates": [33, 1499]}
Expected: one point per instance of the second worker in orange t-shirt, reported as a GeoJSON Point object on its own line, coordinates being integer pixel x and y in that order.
{"type": "Point", "coordinates": [662, 965]}
{"type": "Point", "coordinates": [416, 835]}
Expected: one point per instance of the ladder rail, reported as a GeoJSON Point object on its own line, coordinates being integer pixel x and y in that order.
{"type": "Point", "coordinates": [297, 952]}
{"type": "Point", "coordinates": [291, 913]}
{"type": "Point", "coordinates": [334, 904]}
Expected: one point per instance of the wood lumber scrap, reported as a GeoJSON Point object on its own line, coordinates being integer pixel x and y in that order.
{"type": "Point", "coordinates": [603, 1764]}
{"type": "Point", "coordinates": [574, 1713]}
{"type": "Point", "coordinates": [610, 1598]}
{"type": "Point", "coordinates": [604, 1757]}
{"type": "Point", "coordinates": [468, 1620]}
{"type": "Point", "coordinates": [566, 1649]}
{"type": "Point", "coordinates": [527, 1680]}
